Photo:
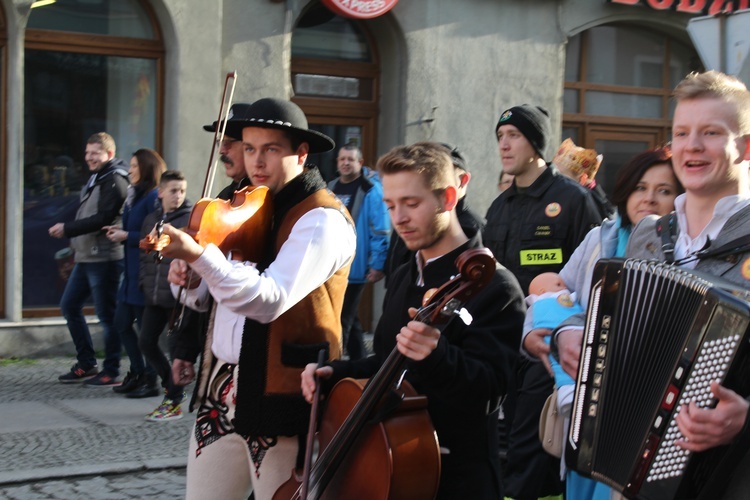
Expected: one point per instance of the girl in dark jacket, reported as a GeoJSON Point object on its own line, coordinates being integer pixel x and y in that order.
{"type": "Point", "coordinates": [146, 167]}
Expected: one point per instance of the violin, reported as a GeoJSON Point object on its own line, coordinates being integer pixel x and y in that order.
{"type": "Point", "coordinates": [240, 226]}
{"type": "Point", "coordinates": [376, 440]}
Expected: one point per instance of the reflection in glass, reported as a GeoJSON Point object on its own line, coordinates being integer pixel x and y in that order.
{"type": "Point", "coordinates": [570, 101]}
{"type": "Point", "coordinates": [100, 17]}
{"type": "Point", "coordinates": [571, 133]}
{"type": "Point", "coordinates": [335, 38]}
{"type": "Point", "coordinates": [326, 86]}
{"type": "Point", "coordinates": [629, 105]}
{"type": "Point", "coordinates": [69, 97]}
{"type": "Point", "coordinates": [625, 56]}
{"type": "Point", "coordinates": [616, 154]}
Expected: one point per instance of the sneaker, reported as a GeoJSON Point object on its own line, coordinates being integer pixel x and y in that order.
{"type": "Point", "coordinates": [129, 383]}
{"type": "Point", "coordinates": [167, 410]}
{"type": "Point", "coordinates": [145, 389]}
{"type": "Point", "coordinates": [78, 374]}
{"type": "Point", "coordinates": [102, 380]}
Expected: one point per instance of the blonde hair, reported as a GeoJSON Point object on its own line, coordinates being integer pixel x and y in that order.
{"type": "Point", "coordinates": [717, 85]}
{"type": "Point", "coordinates": [428, 159]}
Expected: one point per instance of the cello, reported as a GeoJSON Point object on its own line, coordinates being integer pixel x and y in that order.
{"type": "Point", "coordinates": [382, 428]}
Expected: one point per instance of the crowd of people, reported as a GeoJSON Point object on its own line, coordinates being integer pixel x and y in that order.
{"type": "Point", "coordinates": [260, 323]}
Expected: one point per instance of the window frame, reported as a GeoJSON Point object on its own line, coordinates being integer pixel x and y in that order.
{"type": "Point", "coordinates": [104, 45]}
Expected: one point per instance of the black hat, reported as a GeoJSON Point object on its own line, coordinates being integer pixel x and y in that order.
{"type": "Point", "coordinates": [234, 111]}
{"type": "Point", "coordinates": [279, 114]}
{"type": "Point", "coordinates": [532, 121]}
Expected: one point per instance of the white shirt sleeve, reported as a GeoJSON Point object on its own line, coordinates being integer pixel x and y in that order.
{"type": "Point", "coordinates": [196, 299]}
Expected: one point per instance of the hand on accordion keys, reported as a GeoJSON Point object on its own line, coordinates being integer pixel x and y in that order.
{"type": "Point", "coordinates": [706, 428]}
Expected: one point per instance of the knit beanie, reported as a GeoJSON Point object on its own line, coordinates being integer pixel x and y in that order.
{"type": "Point", "coordinates": [532, 121]}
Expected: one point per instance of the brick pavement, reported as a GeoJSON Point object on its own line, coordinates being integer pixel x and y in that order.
{"type": "Point", "coordinates": [51, 431]}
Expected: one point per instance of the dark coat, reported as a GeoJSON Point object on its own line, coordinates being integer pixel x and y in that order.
{"type": "Point", "coordinates": [536, 230]}
{"type": "Point", "coordinates": [132, 220]}
{"type": "Point", "coordinates": [100, 205]}
{"type": "Point", "coordinates": [153, 275]}
{"type": "Point", "coordinates": [464, 378]}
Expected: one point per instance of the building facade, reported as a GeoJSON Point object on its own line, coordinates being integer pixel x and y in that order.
{"type": "Point", "coordinates": [151, 72]}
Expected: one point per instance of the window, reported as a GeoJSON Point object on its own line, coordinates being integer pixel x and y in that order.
{"type": "Point", "coordinates": [618, 82]}
{"type": "Point", "coordinates": [90, 66]}
{"type": "Point", "coordinates": [334, 76]}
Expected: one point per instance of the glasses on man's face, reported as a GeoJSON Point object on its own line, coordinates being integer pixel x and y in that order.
{"type": "Point", "coordinates": [226, 142]}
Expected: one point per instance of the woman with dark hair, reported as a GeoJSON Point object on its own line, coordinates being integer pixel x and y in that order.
{"type": "Point", "coordinates": [646, 185]}
{"type": "Point", "coordinates": [146, 167]}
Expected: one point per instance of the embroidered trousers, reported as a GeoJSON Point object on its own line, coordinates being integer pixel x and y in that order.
{"type": "Point", "coordinates": [223, 464]}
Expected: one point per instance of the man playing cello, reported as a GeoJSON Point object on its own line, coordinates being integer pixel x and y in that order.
{"type": "Point", "coordinates": [463, 369]}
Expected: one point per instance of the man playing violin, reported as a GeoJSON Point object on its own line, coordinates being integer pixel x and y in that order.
{"type": "Point", "coordinates": [463, 368]}
{"type": "Point", "coordinates": [270, 317]}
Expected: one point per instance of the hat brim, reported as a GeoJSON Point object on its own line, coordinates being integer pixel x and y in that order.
{"type": "Point", "coordinates": [212, 128]}
{"type": "Point", "coordinates": [318, 142]}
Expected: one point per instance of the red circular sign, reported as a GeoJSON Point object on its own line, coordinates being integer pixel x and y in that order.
{"type": "Point", "coordinates": [360, 9]}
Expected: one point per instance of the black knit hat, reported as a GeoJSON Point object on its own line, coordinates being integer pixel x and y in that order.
{"type": "Point", "coordinates": [234, 110]}
{"type": "Point", "coordinates": [532, 121]}
{"type": "Point", "coordinates": [279, 114]}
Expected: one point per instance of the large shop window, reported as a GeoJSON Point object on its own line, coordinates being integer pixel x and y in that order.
{"type": "Point", "coordinates": [618, 82]}
{"type": "Point", "coordinates": [90, 66]}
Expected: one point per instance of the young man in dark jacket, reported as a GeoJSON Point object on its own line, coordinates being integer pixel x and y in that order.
{"type": "Point", "coordinates": [98, 261]}
{"type": "Point", "coordinates": [464, 367]}
{"type": "Point", "coordinates": [160, 303]}
{"type": "Point", "coordinates": [533, 227]}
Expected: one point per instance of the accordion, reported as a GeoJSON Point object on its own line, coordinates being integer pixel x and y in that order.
{"type": "Point", "coordinates": [655, 337]}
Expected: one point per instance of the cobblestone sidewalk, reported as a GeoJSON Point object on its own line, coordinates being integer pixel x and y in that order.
{"type": "Point", "coordinates": [50, 430]}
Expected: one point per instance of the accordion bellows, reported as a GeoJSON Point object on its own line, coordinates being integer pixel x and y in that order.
{"type": "Point", "coordinates": [655, 337]}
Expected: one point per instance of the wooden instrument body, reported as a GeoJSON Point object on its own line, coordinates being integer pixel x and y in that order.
{"type": "Point", "coordinates": [240, 226]}
{"type": "Point", "coordinates": [400, 454]}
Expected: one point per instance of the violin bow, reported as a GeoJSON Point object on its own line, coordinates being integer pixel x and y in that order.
{"type": "Point", "coordinates": [226, 105]}
{"type": "Point", "coordinates": [304, 487]}
{"type": "Point", "coordinates": [227, 96]}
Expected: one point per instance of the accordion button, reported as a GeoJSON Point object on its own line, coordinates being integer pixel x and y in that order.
{"type": "Point", "coordinates": [670, 397]}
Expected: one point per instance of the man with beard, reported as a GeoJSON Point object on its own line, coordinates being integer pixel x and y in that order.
{"type": "Point", "coordinates": [463, 369]}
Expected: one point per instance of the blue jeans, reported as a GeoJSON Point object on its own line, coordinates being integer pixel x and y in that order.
{"type": "Point", "coordinates": [125, 315]}
{"type": "Point", "coordinates": [99, 280]}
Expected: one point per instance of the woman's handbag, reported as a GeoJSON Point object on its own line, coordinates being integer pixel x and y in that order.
{"type": "Point", "coordinates": [551, 426]}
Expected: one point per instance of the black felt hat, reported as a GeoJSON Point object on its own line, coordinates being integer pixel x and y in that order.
{"type": "Point", "coordinates": [279, 114]}
{"type": "Point", "coordinates": [532, 121]}
{"type": "Point", "coordinates": [234, 110]}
